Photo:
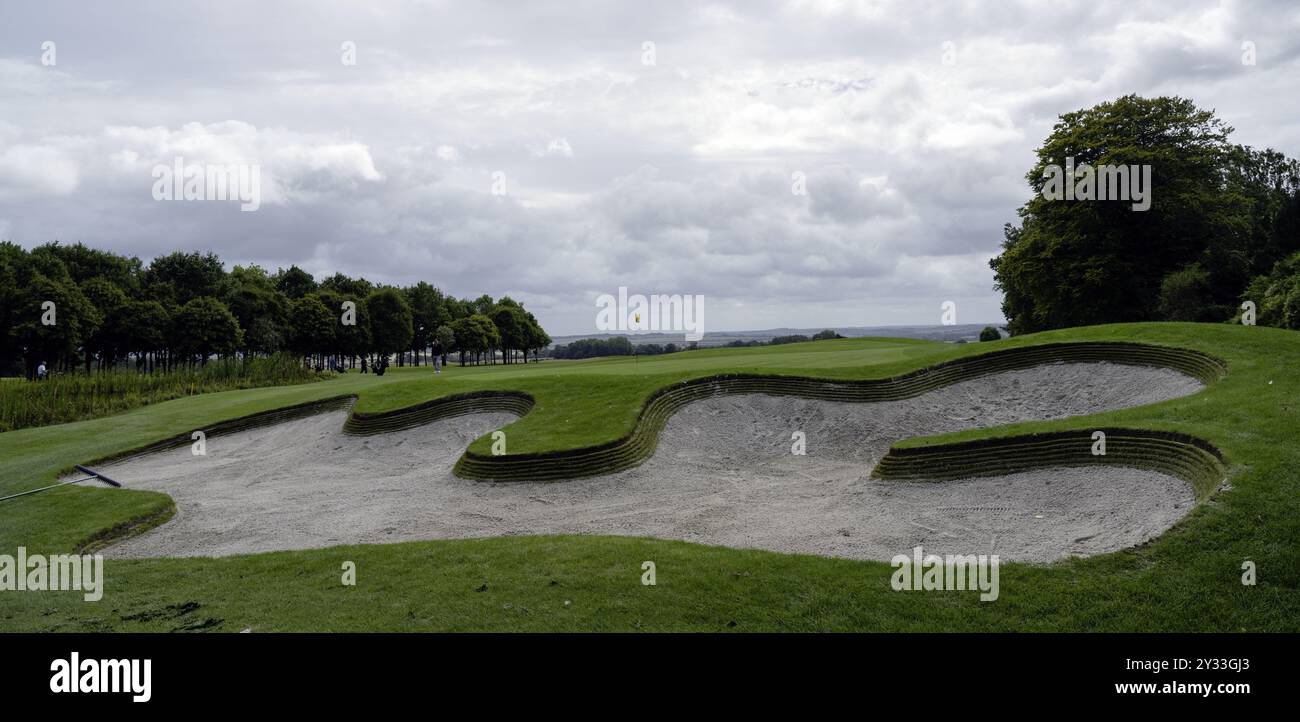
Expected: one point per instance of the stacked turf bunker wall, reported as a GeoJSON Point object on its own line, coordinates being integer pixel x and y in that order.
{"type": "Point", "coordinates": [477, 402]}
{"type": "Point", "coordinates": [1180, 455]}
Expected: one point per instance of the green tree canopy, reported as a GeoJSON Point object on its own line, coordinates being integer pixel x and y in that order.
{"type": "Point", "coordinates": [262, 311]}
{"type": "Point", "coordinates": [311, 325]}
{"type": "Point", "coordinates": [110, 301]}
{"type": "Point", "coordinates": [446, 339]}
{"type": "Point", "coordinates": [84, 263]}
{"type": "Point", "coordinates": [346, 339]}
{"type": "Point", "coordinates": [512, 327]}
{"type": "Point", "coordinates": [1276, 295]}
{"type": "Point", "coordinates": [74, 320]}
{"type": "Point", "coordinates": [390, 321]}
{"type": "Point", "coordinates": [537, 338]}
{"type": "Point", "coordinates": [181, 277]}
{"type": "Point", "coordinates": [110, 307]}
{"type": "Point", "coordinates": [203, 327]}
{"type": "Point", "coordinates": [475, 335]}
{"type": "Point", "coordinates": [1072, 263]}
{"type": "Point", "coordinates": [428, 312]}
{"type": "Point", "coordinates": [144, 326]}
{"type": "Point", "coordinates": [294, 282]}
{"type": "Point", "coordinates": [346, 286]}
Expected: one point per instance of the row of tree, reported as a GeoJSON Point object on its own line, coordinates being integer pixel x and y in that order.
{"type": "Point", "coordinates": [800, 338]}
{"type": "Point", "coordinates": [594, 347]}
{"type": "Point", "coordinates": [1223, 227]}
{"type": "Point", "coordinates": [623, 346]}
{"type": "Point", "coordinates": [614, 346]}
{"type": "Point", "coordinates": [71, 306]}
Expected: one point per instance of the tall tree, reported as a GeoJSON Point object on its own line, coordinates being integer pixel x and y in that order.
{"type": "Point", "coordinates": [51, 322]}
{"type": "Point", "coordinates": [204, 327]}
{"type": "Point", "coordinates": [262, 311]}
{"type": "Point", "coordinates": [109, 300]}
{"type": "Point", "coordinates": [311, 326]}
{"type": "Point", "coordinates": [143, 330]}
{"type": "Point", "coordinates": [14, 265]}
{"type": "Point", "coordinates": [390, 321]}
{"type": "Point", "coordinates": [475, 336]}
{"type": "Point", "coordinates": [537, 338]}
{"type": "Point", "coordinates": [351, 335]}
{"type": "Point", "coordinates": [1072, 263]}
{"type": "Point", "coordinates": [446, 339]}
{"type": "Point", "coordinates": [1263, 183]}
{"type": "Point", "coordinates": [427, 314]}
{"type": "Point", "coordinates": [181, 277]}
{"type": "Point", "coordinates": [511, 325]}
{"type": "Point", "coordinates": [294, 282]}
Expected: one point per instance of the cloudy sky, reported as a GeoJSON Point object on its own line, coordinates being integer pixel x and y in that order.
{"type": "Point", "coordinates": [665, 168]}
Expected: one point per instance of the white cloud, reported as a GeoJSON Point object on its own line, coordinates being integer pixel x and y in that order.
{"type": "Point", "coordinates": [675, 176]}
{"type": "Point", "coordinates": [120, 159]}
{"type": "Point", "coordinates": [37, 169]}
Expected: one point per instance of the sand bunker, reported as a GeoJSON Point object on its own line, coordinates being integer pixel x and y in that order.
{"type": "Point", "coordinates": [723, 474]}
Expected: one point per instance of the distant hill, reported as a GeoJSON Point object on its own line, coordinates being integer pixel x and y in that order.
{"type": "Point", "coordinates": [959, 332]}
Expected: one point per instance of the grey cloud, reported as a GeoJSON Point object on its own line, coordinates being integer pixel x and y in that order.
{"type": "Point", "coordinates": [668, 178]}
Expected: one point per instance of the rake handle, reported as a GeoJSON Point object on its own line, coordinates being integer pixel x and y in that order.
{"type": "Point", "coordinates": [93, 475]}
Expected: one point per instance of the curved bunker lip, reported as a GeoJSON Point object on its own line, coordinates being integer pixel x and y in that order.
{"type": "Point", "coordinates": [722, 473]}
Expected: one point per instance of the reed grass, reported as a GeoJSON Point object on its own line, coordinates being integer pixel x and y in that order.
{"type": "Point", "coordinates": [79, 395]}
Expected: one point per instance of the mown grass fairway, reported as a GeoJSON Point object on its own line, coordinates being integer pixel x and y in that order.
{"type": "Point", "coordinates": [1189, 579]}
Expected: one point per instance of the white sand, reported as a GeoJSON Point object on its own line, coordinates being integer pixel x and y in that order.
{"type": "Point", "coordinates": [723, 474]}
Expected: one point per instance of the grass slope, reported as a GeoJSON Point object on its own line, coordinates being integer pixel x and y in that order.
{"type": "Point", "coordinates": [1189, 579]}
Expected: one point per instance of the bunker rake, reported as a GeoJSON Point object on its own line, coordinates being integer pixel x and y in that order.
{"type": "Point", "coordinates": [92, 475]}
